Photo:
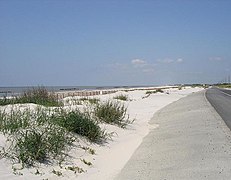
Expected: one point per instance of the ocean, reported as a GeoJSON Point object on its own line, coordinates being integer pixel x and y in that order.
{"type": "Point", "coordinates": [15, 91]}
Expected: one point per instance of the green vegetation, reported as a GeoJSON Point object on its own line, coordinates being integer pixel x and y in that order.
{"type": "Point", "coordinates": [90, 100]}
{"type": "Point", "coordinates": [33, 137]}
{"type": "Point", "coordinates": [121, 97]}
{"type": "Point", "coordinates": [155, 91]}
{"type": "Point", "coordinates": [86, 162]}
{"type": "Point", "coordinates": [112, 113]}
{"type": "Point", "coordinates": [38, 145]}
{"type": "Point", "coordinates": [224, 85]}
{"type": "Point", "coordinates": [93, 100]}
{"type": "Point", "coordinates": [39, 95]}
{"type": "Point", "coordinates": [79, 123]}
{"type": "Point", "coordinates": [90, 150]}
{"type": "Point", "coordinates": [39, 135]}
{"type": "Point", "coordinates": [58, 173]}
{"type": "Point", "coordinates": [76, 169]}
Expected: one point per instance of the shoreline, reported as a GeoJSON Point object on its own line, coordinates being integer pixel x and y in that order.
{"type": "Point", "coordinates": [15, 91]}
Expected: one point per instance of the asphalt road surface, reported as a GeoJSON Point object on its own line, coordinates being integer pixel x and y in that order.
{"type": "Point", "coordinates": [220, 99]}
{"type": "Point", "coordinates": [191, 142]}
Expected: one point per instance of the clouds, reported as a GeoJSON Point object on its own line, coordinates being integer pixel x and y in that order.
{"type": "Point", "coordinates": [138, 65]}
{"type": "Point", "coordinates": [142, 65]}
{"type": "Point", "coordinates": [133, 66]}
{"type": "Point", "coordinates": [215, 59]}
{"type": "Point", "coordinates": [179, 60]}
{"type": "Point", "coordinates": [169, 60]}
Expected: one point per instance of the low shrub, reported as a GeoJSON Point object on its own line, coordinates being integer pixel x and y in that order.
{"type": "Point", "coordinates": [224, 85]}
{"type": "Point", "coordinates": [39, 95]}
{"type": "Point", "coordinates": [32, 138]}
{"type": "Point", "coordinates": [121, 97]}
{"type": "Point", "coordinates": [155, 91]}
{"type": "Point", "coordinates": [13, 121]}
{"type": "Point", "coordinates": [93, 100]}
{"type": "Point", "coordinates": [112, 113]}
{"type": "Point", "coordinates": [90, 100]}
{"type": "Point", "coordinates": [150, 92]}
{"type": "Point", "coordinates": [79, 123]}
{"type": "Point", "coordinates": [159, 90]}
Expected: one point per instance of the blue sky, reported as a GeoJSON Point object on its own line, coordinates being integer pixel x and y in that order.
{"type": "Point", "coordinates": [120, 42]}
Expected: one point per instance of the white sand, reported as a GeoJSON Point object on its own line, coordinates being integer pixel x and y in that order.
{"type": "Point", "coordinates": [113, 155]}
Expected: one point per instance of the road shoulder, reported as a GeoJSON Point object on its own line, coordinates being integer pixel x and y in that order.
{"type": "Point", "coordinates": [191, 142]}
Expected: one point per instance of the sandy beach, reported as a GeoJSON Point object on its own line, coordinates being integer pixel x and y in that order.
{"type": "Point", "coordinates": [110, 157]}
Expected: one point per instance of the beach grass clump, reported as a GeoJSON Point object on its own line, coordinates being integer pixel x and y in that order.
{"type": "Point", "coordinates": [112, 113]}
{"type": "Point", "coordinates": [159, 90]}
{"type": "Point", "coordinates": [33, 145]}
{"type": "Point", "coordinates": [38, 95]}
{"type": "Point", "coordinates": [155, 91]}
{"type": "Point", "coordinates": [90, 100]}
{"type": "Point", "coordinates": [33, 138]}
{"type": "Point", "coordinates": [121, 97]}
{"type": "Point", "coordinates": [224, 85]}
{"type": "Point", "coordinates": [93, 100]}
{"type": "Point", "coordinates": [14, 120]}
{"type": "Point", "coordinates": [79, 123]}
{"type": "Point", "coordinates": [150, 92]}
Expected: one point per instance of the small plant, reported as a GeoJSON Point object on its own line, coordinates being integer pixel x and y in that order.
{"type": "Point", "coordinates": [112, 113]}
{"type": "Point", "coordinates": [90, 150]}
{"type": "Point", "coordinates": [155, 91]}
{"type": "Point", "coordinates": [159, 90]}
{"type": "Point", "coordinates": [90, 100]}
{"type": "Point", "coordinates": [83, 99]}
{"type": "Point", "coordinates": [76, 169]}
{"type": "Point", "coordinates": [72, 101]}
{"type": "Point", "coordinates": [58, 173]}
{"type": "Point", "coordinates": [93, 100]}
{"type": "Point", "coordinates": [121, 97]}
{"type": "Point", "coordinates": [16, 172]}
{"type": "Point", "coordinates": [37, 172]}
{"type": "Point", "coordinates": [150, 92]}
{"type": "Point", "coordinates": [86, 162]}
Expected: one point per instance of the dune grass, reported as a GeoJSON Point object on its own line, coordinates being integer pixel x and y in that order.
{"type": "Point", "coordinates": [33, 137]}
{"type": "Point", "coordinates": [38, 95]}
{"type": "Point", "coordinates": [79, 123]}
{"type": "Point", "coordinates": [41, 135]}
{"type": "Point", "coordinates": [90, 100]}
{"type": "Point", "coordinates": [121, 97]}
{"type": "Point", "coordinates": [155, 91]}
{"type": "Point", "coordinates": [112, 113]}
{"type": "Point", "coordinates": [46, 134]}
{"type": "Point", "coordinates": [224, 85]}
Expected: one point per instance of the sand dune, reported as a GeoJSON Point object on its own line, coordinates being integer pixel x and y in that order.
{"type": "Point", "coordinates": [110, 157]}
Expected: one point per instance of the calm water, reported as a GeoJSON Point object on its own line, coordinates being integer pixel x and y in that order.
{"type": "Point", "coordinates": [14, 91]}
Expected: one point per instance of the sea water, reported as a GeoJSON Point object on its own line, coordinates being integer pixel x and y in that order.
{"type": "Point", "coordinates": [15, 91]}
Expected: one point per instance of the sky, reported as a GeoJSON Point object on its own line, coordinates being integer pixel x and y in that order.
{"type": "Point", "coordinates": [114, 42]}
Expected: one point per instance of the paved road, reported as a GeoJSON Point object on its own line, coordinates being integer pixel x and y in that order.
{"type": "Point", "coordinates": [192, 142]}
{"type": "Point", "coordinates": [220, 99]}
